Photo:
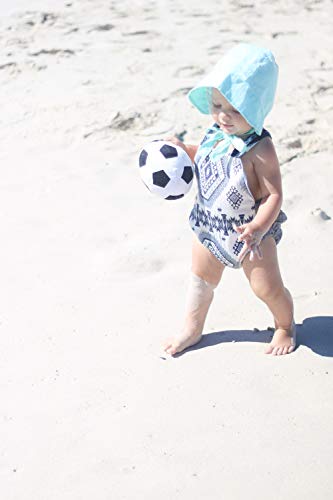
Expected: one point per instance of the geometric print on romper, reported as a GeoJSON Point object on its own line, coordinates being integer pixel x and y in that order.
{"type": "Point", "coordinates": [236, 165]}
{"type": "Point", "coordinates": [234, 197]}
{"type": "Point", "coordinates": [212, 178]}
{"type": "Point", "coordinates": [209, 242]}
{"type": "Point", "coordinates": [215, 222]}
{"type": "Point", "coordinates": [238, 247]}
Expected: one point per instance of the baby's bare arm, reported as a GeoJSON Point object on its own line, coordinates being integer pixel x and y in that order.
{"type": "Point", "coordinates": [267, 169]}
{"type": "Point", "coordinates": [191, 150]}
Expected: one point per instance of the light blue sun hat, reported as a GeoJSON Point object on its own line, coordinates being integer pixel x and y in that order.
{"type": "Point", "coordinates": [247, 77]}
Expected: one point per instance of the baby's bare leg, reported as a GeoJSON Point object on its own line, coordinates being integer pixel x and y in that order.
{"type": "Point", "coordinates": [265, 279]}
{"type": "Point", "coordinates": [206, 274]}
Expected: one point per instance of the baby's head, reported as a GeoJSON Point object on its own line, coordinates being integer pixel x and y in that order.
{"type": "Point", "coordinates": [241, 86]}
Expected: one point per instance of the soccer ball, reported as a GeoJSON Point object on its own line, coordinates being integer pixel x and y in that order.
{"type": "Point", "coordinates": [166, 169]}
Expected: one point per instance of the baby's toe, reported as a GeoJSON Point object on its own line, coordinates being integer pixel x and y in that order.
{"type": "Point", "coordinates": [167, 346]}
{"type": "Point", "coordinates": [269, 349]}
{"type": "Point", "coordinates": [171, 347]}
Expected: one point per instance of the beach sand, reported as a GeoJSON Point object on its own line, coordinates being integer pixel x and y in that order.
{"type": "Point", "coordinates": [94, 269]}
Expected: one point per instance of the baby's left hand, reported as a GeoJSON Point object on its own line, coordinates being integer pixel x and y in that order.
{"type": "Point", "coordinates": [252, 236]}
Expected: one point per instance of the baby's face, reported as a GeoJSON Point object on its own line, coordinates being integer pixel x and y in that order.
{"type": "Point", "coordinates": [227, 117]}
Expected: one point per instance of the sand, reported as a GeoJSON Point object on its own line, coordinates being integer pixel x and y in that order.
{"type": "Point", "coordinates": [94, 269]}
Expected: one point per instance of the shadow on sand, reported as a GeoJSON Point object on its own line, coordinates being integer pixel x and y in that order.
{"type": "Point", "coordinates": [315, 333]}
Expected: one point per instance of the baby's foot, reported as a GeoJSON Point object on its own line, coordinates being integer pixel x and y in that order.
{"type": "Point", "coordinates": [178, 344]}
{"type": "Point", "coordinates": [192, 334]}
{"type": "Point", "coordinates": [283, 341]}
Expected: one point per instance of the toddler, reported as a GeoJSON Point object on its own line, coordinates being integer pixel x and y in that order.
{"type": "Point", "coordinates": [236, 218]}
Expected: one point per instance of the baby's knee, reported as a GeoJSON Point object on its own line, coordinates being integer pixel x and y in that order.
{"type": "Point", "coordinates": [205, 264]}
{"type": "Point", "coordinates": [268, 291]}
{"type": "Point", "coordinates": [200, 292]}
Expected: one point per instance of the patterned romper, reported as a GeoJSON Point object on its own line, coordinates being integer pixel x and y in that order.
{"type": "Point", "coordinates": [224, 199]}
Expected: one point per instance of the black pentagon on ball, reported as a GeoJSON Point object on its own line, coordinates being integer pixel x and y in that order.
{"type": "Point", "coordinates": [187, 174]}
{"type": "Point", "coordinates": [174, 197]}
{"type": "Point", "coordinates": [143, 158]}
{"type": "Point", "coordinates": [169, 151]}
{"type": "Point", "coordinates": [160, 178]}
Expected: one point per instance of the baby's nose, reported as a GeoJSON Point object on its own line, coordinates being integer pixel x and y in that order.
{"type": "Point", "coordinates": [223, 115]}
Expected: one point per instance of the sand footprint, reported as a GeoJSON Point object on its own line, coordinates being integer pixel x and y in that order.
{"type": "Point", "coordinates": [9, 65]}
{"type": "Point", "coordinates": [35, 18]}
{"type": "Point", "coordinates": [102, 27]}
{"type": "Point", "coordinates": [139, 33]}
{"type": "Point", "coordinates": [188, 71]}
{"type": "Point", "coordinates": [120, 122]}
{"type": "Point", "coordinates": [53, 52]}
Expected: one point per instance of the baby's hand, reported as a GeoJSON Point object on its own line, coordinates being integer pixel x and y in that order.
{"type": "Point", "coordinates": [176, 141]}
{"type": "Point", "coordinates": [190, 149]}
{"type": "Point", "coordinates": [252, 236]}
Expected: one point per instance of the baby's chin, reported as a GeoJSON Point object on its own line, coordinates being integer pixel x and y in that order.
{"type": "Point", "coordinates": [239, 133]}
{"type": "Point", "coordinates": [228, 130]}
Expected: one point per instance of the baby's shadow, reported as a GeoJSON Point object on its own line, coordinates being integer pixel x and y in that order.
{"type": "Point", "coordinates": [315, 333]}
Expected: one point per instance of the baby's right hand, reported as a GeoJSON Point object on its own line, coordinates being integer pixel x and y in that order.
{"type": "Point", "coordinates": [176, 141]}
{"type": "Point", "coordinates": [190, 149]}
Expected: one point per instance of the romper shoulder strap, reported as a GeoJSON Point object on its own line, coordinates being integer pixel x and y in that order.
{"type": "Point", "coordinates": [211, 130]}
{"type": "Point", "coordinates": [251, 141]}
